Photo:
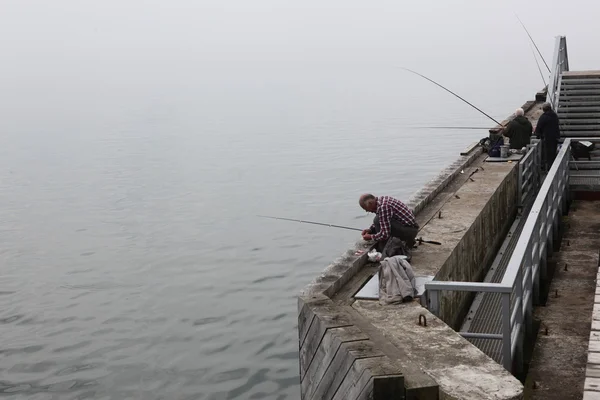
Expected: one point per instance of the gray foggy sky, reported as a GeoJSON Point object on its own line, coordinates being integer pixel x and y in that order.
{"type": "Point", "coordinates": [66, 54]}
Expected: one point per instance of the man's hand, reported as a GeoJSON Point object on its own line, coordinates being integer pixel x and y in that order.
{"type": "Point", "coordinates": [365, 231]}
{"type": "Point", "coordinates": [367, 236]}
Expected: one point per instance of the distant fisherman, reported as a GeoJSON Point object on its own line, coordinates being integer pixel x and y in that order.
{"type": "Point", "coordinates": [548, 130]}
{"type": "Point", "coordinates": [393, 218]}
{"type": "Point", "coordinates": [519, 130]}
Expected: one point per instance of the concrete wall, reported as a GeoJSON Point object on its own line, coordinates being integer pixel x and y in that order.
{"type": "Point", "coordinates": [469, 260]}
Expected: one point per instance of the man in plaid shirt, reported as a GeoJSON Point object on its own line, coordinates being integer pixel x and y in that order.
{"type": "Point", "coordinates": [393, 218]}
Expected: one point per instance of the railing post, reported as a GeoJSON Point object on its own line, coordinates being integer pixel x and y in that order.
{"type": "Point", "coordinates": [434, 302]}
{"type": "Point", "coordinates": [549, 219]}
{"type": "Point", "coordinates": [556, 209]}
{"type": "Point", "coordinates": [543, 239]}
{"type": "Point", "coordinates": [520, 183]}
{"type": "Point", "coordinates": [506, 332]}
{"type": "Point", "coordinates": [519, 316]}
{"type": "Point", "coordinates": [536, 264]}
{"type": "Point", "coordinates": [567, 191]}
{"type": "Point", "coordinates": [528, 290]}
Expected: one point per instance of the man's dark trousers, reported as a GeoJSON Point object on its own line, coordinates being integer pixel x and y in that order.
{"type": "Point", "coordinates": [549, 147]}
{"type": "Point", "coordinates": [405, 233]}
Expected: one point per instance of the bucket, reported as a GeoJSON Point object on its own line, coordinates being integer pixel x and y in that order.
{"type": "Point", "coordinates": [504, 151]}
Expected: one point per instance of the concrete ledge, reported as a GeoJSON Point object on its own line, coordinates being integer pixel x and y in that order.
{"type": "Point", "coordinates": [460, 369]}
{"type": "Point", "coordinates": [471, 225]}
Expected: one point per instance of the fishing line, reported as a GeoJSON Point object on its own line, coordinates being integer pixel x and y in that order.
{"type": "Point", "coordinates": [450, 91]}
{"type": "Point", "coordinates": [532, 41]}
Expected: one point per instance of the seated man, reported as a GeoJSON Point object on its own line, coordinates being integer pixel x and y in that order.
{"type": "Point", "coordinates": [393, 219]}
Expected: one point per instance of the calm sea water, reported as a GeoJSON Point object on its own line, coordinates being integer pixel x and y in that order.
{"type": "Point", "coordinates": [141, 138]}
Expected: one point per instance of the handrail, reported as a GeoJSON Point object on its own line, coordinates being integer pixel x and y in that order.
{"type": "Point", "coordinates": [560, 64]}
{"type": "Point", "coordinates": [536, 211]}
{"type": "Point", "coordinates": [520, 283]}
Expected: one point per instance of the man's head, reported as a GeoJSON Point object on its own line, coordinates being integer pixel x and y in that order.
{"type": "Point", "coordinates": [368, 202]}
{"type": "Point", "coordinates": [519, 112]}
{"type": "Point", "coordinates": [546, 107]}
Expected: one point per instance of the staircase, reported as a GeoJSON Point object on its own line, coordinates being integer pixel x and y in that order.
{"type": "Point", "coordinates": [579, 104]}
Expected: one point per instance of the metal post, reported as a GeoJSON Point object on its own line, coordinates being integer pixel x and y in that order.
{"type": "Point", "coordinates": [519, 316]}
{"type": "Point", "coordinates": [528, 290]}
{"type": "Point", "coordinates": [536, 264]}
{"type": "Point", "coordinates": [549, 219]}
{"type": "Point", "coordinates": [520, 191]}
{"type": "Point", "coordinates": [506, 332]}
{"type": "Point", "coordinates": [434, 302]}
{"type": "Point", "coordinates": [556, 210]}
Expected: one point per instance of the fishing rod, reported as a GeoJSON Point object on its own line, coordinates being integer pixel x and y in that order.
{"type": "Point", "coordinates": [312, 222]}
{"type": "Point", "coordinates": [450, 91]}
{"type": "Point", "coordinates": [420, 240]}
{"type": "Point", "coordinates": [538, 65]}
{"type": "Point", "coordinates": [450, 127]}
{"type": "Point", "coordinates": [532, 41]}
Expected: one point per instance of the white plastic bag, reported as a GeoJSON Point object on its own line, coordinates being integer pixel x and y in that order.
{"type": "Point", "coordinates": [374, 256]}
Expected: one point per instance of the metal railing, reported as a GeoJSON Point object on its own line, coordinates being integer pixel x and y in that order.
{"type": "Point", "coordinates": [560, 64]}
{"type": "Point", "coordinates": [529, 171]}
{"type": "Point", "coordinates": [527, 265]}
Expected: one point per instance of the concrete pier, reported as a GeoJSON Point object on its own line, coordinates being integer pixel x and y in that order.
{"type": "Point", "coordinates": [495, 219]}
{"type": "Point", "coordinates": [355, 349]}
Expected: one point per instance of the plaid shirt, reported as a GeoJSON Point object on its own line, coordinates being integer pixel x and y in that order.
{"type": "Point", "coordinates": [388, 208]}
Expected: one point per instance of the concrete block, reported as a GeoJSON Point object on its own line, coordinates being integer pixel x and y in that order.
{"type": "Point", "coordinates": [594, 346]}
{"type": "Point", "coordinates": [591, 395]}
{"type": "Point", "coordinates": [592, 371]}
{"type": "Point", "coordinates": [594, 358]}
{"type": "Point", "coordinates": [596, 326]}
{"type": "Point", "coordinates": [592, 384]}
{"type": "Point", "coordinates": [594, 336]}
{"type": "Point", "coordinates": [596, 312]}
{"type": "Point", "coordinates": [596, 299]}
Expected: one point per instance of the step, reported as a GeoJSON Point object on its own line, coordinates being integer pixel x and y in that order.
{"type": "Point", "coordinates": [571, 127]}
{"type": "Point", "coordinates": [580, 92]}
{"type": "Point", "coordinates": [577, 116]}
{"type": "Point", "coordinates": [579, 97]}
{"type": "Point", "coordinates": [565, 108]}
{"type": "Point", "coordinates": [577, 103]}
{"type": "Point", "coordinates": [580, 134]}
{"type": "Point", "coordinates": [577, 121]}
{"type": "Point", "coordinates": [574, 82]}
{"type": "Point", "coordinates": [580, 74]}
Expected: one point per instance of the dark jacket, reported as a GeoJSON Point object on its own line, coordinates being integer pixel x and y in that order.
{"type": "Point", "coordinates": [547, 126]}
{"type": "Point", "coordinates": [519, 131]}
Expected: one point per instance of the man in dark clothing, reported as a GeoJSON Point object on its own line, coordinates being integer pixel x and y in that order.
{"type": "Point", "coordinates": [548, 130]}
{"type": "Point", "coordinates": [519, 130]}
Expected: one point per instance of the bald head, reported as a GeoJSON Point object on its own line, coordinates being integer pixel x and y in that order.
{"type": "Point", "coordinates": [368, 202]}
{"type": "Point", "coordinates": [519, 112]}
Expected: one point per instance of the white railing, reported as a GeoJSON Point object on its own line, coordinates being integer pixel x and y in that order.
{"type": "Point", "coordinates": [526, 266]}
{"type": "Point", "coordinates": [530, 172]}
{"type": "Point", "coordinates": [560, 64]}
